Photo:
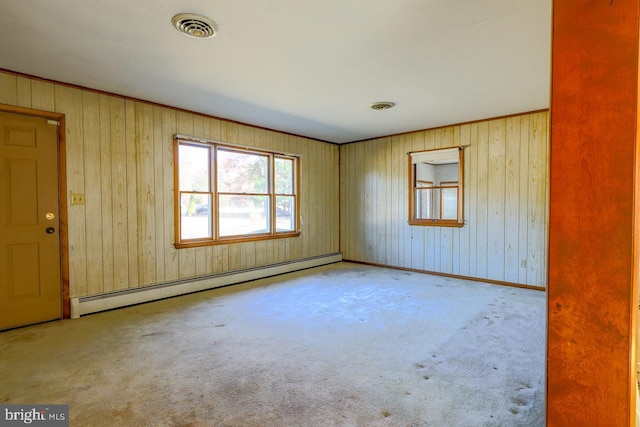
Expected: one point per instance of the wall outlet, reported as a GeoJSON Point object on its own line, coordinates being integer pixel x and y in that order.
{"type": "Point", "coordinates": [77, 199]}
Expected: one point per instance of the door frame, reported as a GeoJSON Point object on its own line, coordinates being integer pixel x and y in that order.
{"type": "Point", "coordinates": [62, 196]}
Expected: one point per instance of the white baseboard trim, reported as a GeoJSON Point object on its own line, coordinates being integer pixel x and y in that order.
{"type": "Point", "coordinates": [93, 304]}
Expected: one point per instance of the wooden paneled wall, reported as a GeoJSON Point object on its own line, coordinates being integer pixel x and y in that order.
{"type": "Point", "coordinates": [119, 154]}
{"type": "Point", "coordinates": [505, 202]}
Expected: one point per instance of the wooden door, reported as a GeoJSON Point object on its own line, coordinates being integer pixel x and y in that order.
{"type": "Point", "coordinates": [30, 282]}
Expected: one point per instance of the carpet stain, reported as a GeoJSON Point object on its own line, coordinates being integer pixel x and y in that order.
{"type": "Point", "coordinates": [514, 411]}
{"type": "Point", "coordinates": [419, 365]}
{"type": "Point", "coordinates": [221, 325]}
{"type": "Point", "coordinates": [426, 377]}
{"type": "Point", "coordinates": [518, 401]}
{"type": "Point", "coordinates": [153, 334]}
{"type": "Point", "coordinates": [385, 413]}
{"type": "Point", "coordinates": [523, 387]}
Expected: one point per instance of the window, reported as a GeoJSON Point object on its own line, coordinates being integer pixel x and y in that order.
{"type": "Point", "coordinates": [225, 194]}
{"type": "Point", "coordinates": [435, 190]}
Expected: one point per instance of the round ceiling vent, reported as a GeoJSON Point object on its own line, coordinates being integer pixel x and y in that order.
{"type": "Point", "coordinates": [195, 25]}
{"type": "Point", "coordinates": [381, 105]}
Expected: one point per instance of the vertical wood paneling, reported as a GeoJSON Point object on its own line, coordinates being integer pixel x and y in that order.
{"type": "Point", "coordinates": [106, 196]}
{"type": "Point", "coordinates": [389, 219]}
{"type": "Point", "coordinates": [322, 160]}
{"type": "Point", "coordinates": [496, 188]}
{"type": "Point", "coordinates": [93, 193]}
{"type": "Point", "coordinates": [23, 92]}
{"type": "Point", "coordinates": [248, 256]}
{"type": "Point", "coordinates": [368, 195]}
{"type": "Point", "coordinates": [345, 183]}
{"type": "Point", "coordinates": [512, 205]}
{"type": "Point", "coordinates": [120, 155]}
{"type": "Point", "coordinates": [483, 202]}
{"type": "Point", "coordinates": [333, 199]}
{"type": "Point", "coordinates": [381, 207]}
{"type": "Point", "coordinates": [471, 198]}
{"type": "Point", "coordinates": [359, 247]}
{"type": "Point", "coordinates": [318, 188]}
{"type": "Point", "coordinates": [119, 193]}
{"type": "Point", "coordinates": [132, 192]}
{"type": "Point", "coordinates": [145, 169]}
{"type": "Point", "coordinates": [403, 190]}
{"type": "Point", "coordinates": [69, 101]}
{"type": "Point", "coordinates": [310, 204]}
{"type": "Point", "coordinates": [42, 95]}
{"type": "Point", "coordinates": [158, 193]}
{"type": "Point", "coordinates": [8, 89]}
{"type": "Point", "coordinates": [324, 227]}
{"type": "Point", "coordinates": [523, 216]}
{"type": "Point", "coordinates": [171, 256]}
{"type": "Point", "coordinates": [536, 254]}
{"type": "Point", "coordinates": [396, 210]}
{"type": "Point", "coordinates": [505, 202]}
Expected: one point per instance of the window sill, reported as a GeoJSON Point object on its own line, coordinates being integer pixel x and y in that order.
{"type": "Point", "coordinates": [437, 223]}
{"type": "Point", "coordinates": [234, 239]}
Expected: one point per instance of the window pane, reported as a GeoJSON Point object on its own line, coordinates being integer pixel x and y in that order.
{"type": "Point", "coordinates": [195, 216]}
{"type": "Point", "coordinates": [242, 172]}
{"type": "Point", "coordinates": [424, 203]}
{"type": "Point", "coordinates": [284, 175]}
{"type": "Point", "coordinates": [193, 168]}
{"type": "Point", "coordinates": [449, 203]}
{"type": "Point", "coordinates": [242, 215]}
{"type": "Point", "coordinates": [285, 213]}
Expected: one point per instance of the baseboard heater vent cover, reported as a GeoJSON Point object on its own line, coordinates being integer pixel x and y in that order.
{"type": "Point", "coordinates": [93, 304]}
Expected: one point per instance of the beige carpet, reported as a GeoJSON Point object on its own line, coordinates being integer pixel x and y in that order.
{"type": "Point", "coordinates": [339, 345]}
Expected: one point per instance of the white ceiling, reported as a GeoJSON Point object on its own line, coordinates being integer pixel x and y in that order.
{"type": "Point", "coordinates": [307, 67]}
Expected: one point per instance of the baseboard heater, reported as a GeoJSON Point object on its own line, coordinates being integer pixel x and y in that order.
{"type": "Point", "coordinates": [93, 304]}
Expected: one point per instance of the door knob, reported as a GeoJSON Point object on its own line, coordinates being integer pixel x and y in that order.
{"type": "Point", "coordinates": [50, 230]}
